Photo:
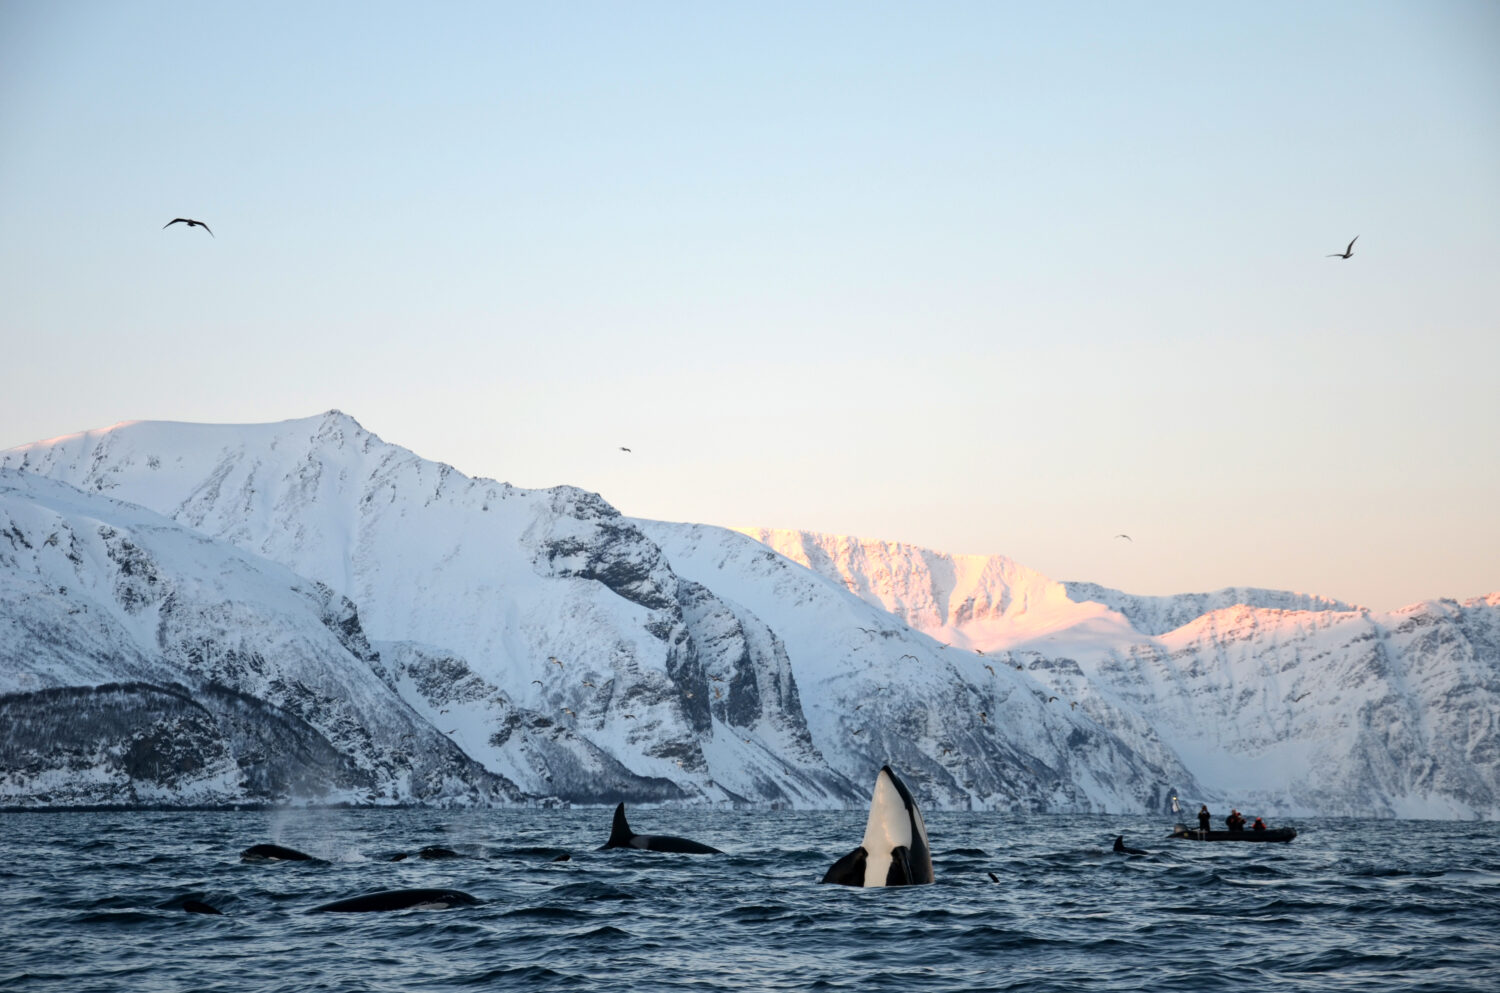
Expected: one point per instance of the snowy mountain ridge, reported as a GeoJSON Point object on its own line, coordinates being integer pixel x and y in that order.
{"type": "Point", "coordinates": [572, 654]}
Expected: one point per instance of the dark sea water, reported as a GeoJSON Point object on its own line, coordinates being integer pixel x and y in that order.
{"type": "Point", "coordinates": [88, 902]}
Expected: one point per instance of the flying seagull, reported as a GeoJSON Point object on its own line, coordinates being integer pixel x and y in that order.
{"type": "Point", "coordinates": [1126, 537]}
{"type": "Point", "coordinates": [624, 449]}
{"type": "Point", "coordinates": [190, 223]}
{"type": "Point", "coordinates": [1346, 252]}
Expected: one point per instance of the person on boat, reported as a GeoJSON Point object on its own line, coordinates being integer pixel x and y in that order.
{"type": "Point", "coordinates": [1259, 825]}
{"type": "Point", "coordinates": [1235, 821]}
{"type": "Point", "coordinates": [1204, 818]}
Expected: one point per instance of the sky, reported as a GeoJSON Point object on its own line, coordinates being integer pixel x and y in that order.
{"type": "Point", "coordinates": [989, 278]}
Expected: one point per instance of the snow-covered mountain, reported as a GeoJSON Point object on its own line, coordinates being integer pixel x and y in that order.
{"type": "Point", "coordinates": [567, 652]}
{"type": "Point", "coordinates": [540, 631]}
{"type": "Point", "coordinates": [1281, 701]}
{"type": "Point", "coordinates": [144, 662]}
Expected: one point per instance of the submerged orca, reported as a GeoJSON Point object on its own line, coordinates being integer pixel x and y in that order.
{"type": "Point", "coordinates": [190, 904]}
{"type": "Point", "coordinates": [620, 836]}
{"type": "Point", "coordinates": [398, 900]}
{"type": "Point", "coordinates": [895, 850]}
{"type": "Point", "coordinates": [430, 852]}
{"type": "Point", "coordinates": [273, 853]}
{"type": "Point", "coordinates": [1120, 847]}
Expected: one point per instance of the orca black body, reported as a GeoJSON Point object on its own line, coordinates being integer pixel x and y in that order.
{"type": "Point", "coordinates": [1123, 850]}
{"type": "Point", "coordinates": [895, 850]}
{"type": "Point", "coordinates": [398, 900]}
{"type": "Point", "coordinates": [430, 852]}
{"type": "Point", "coordinates": [274, 853]}
{"type": "Point", "coordinates": [190, 904]}
{"type": "Point", "coordinates": [620, 836]}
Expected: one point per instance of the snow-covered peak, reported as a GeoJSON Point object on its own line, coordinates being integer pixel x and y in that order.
{"type": "Point", "coordinates": [983, 602]}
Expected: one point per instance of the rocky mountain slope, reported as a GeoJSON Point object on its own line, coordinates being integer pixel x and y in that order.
{"type": "Point", "coordinates": [142, 662]}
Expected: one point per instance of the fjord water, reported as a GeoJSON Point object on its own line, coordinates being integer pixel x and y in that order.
{"type": "Point", "coordinates": [87, 903]}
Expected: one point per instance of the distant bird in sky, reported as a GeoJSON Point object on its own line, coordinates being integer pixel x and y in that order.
{"type": "Point", "coordinates": [978, 652]}
{"type": "Point", "coordinates": [624, 449]}
{"type": "Point", "coordinates": [1346, 252]}
{"type": "Point", "coordinates": [860, 731]}
{"type": "Point", "coordinates": [1126, 537]}
{"type": "Point", "coordinates": [983, 717]}
{"type": "Point", "coordinates": [554, 658]}
{"type": "Point", "coordinates": [537, 681]}
{"type": "Point", "coordinates": [912, 657]}
{"type": "Point", "coordinates": [990, 668]}
{"type": "Point", "coordinates": [190, 223]}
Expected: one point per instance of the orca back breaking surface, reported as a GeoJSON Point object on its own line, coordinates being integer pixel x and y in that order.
{"type": "Point", "coordinates": [620, 836]}
{"type": "Point", "coordinates": [895, 851]}
{"type": "Point", "coordinates": [428, 899]}
{"type": "Point", "coordinates": [274, 853]}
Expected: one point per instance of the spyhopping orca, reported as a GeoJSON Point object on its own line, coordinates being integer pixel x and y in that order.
{"type": "Point", "coordinates": [273, 853]}
{"type": "Point", "coordinates": [398, 900]}
{"type": "Point", "coordinates": [1120, 847]}
{"type": "Point", "coordinates": [620, 836]}
{"type": "Point", "coordinates": [895, 850]}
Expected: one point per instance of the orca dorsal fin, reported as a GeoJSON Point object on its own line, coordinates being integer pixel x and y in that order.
{"type": "Point", "coordinates": [619, 833]}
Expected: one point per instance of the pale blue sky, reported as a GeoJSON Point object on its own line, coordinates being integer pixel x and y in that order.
{"type": "Point", "coordinates": [998, 278]}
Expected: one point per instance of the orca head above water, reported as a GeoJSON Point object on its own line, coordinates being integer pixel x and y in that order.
{"type": "Point", "coordinates": [895, 851]}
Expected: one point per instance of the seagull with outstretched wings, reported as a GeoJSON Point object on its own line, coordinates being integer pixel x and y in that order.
{"type": "Point", "coordinates": [190, 223]}
{"type": "Point", "coordinates": [1346, 252]}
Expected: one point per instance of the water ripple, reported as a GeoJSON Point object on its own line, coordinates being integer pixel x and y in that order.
{"type": "Point", "coordinates": [97, 905]}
